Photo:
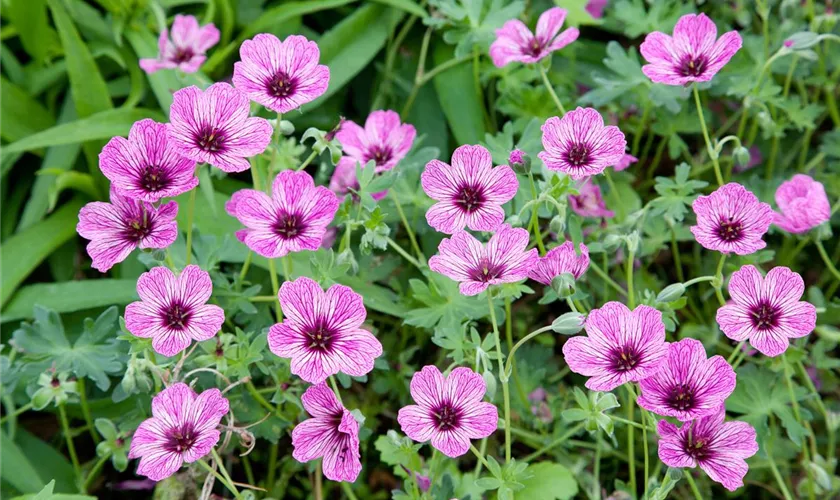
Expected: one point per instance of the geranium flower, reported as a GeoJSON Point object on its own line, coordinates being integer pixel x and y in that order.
{"type": "Point", "coordinates": [766, 311]}
{"type": "Point", "coordinates": [803, 204]}
{"type": "Point", "coordinates": [719, 448]}
{"type": "Point", "coordinates": [173, 310]}
{"type": "Point", "coordinates": [213, 126]}
{"type": "Point", "coordinates": [322, 332]}
{"type": "Point", "coordinates": [731, 219]}
{"type": "Point", "coordinates": [625, 162]}
{"type": "Point", "coordinates": [187, 49]}
{"type": "Point", "coordinates": [688, 386]}
{"type": "Point", "coordinates": [293, 219]}
{"type": "Point", "coordinates": [580, 145]}
{"type": "Point", "coordinates": [469, 193]}
{"type": "Point", "coordinates": [589, 202]}
{"type": "Point", "coordinates": [183, 428]}
{"type": "Point", "coordinates": [693, 54]}
{"type": "Point", "coordinates": [560, 260]}
{"type": "Point", "coordinates": [515, 42]}
{"type": "Point", "coordinates": [504, 259]}
{"type": "Point", "coordinates": [331, 433]}
{"type": "Point", "coordinates": [620, 346]}
{"type": "Point", "coordinates": [281, 76]}
{"type": "Point", "coordinates": [595, 8]}
{"type": "Point", "coordinates": [146, 166]}
{"type": "Point", "coordinates": [384, 140]}
{"type": "Point", "coordinates": [115, 229]}
{"type": "Point", "coordinates": [449, 410]}
{"type": "Point", "coordinates": [344, 179]}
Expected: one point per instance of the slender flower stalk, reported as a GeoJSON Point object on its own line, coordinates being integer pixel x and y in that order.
{"type": "Point", "coordinates": [535, 216]}
{"type": "Point", "coordinates": [550, 89]}
{"type": "Point", "coordinates": [709, 148]}
{"type": "Point", "coordinates": [503, 378]}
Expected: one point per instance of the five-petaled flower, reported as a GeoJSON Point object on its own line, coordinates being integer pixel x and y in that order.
{"type": "Point", "coordinates": [731, 219]}
{"type": "Point", "coordinates": [515, 42]}
{"type": "Point", "coordinates": [293, 219]}
{"type": "Point", "coordinates": [186, 51]}
{"type": "Point", "coordinates": [183, 428]}
{"type": "Point", "coordinates": [589, 202]}
{"type": "Point", "coordinates": [449, 410]}
{"type": "Point", "coordinates": [115, 229]}
{"type": "Point", "coordinates": [504, 259]}
{"type": "Point", "coordinates": [560, 260]}
{"type": "Point", "coordinates": [719, 448]}
{"type": "Point", "coordinates": [620, 346]}
{"type": "Point", "coordinates": [173, 310]}
{"type": "Point", "coordinates": [469, 193]}
{"type": "Point", "coordinates": [213, 126]}
{"type": "Point", "coordinates": [766, 311]}
{"type": "Point", "coordinates": [281, 76]}
{"type": "Point", "coordinates": [693, 54]}
{"type": "Point", "coordinates": [803, 204]}
{"type": "Point", "coordinates": [332, 434]}
{"type": "Point", "coordinates": [146, 166]}
{"type": "Point", "coordinates": [384, 140]}
{"type": "Point", "coordinates": [687, 386]}
{"type": "Point", "coordinates": [322, 332]}
{"type": "Point", "coordinates": [580, 145]}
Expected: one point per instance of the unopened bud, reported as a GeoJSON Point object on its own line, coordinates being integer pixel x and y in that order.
{"type": "Point", "coordinates": [557, 224]}
{"type": "Point", "coordinates": [331, 134]}
{"type": "Point", "coordinates": [563, 285]}
{"type": "Point", "coordinates": [742, 156]}
{"type": "Point", "coordinates": [519, 161]}
{"type": "Point", "coordinates": [287, 128]}
{"type": "Point", "coordinates": [569, 323]}
{"type": "Point", "coordinates": [671, 293]}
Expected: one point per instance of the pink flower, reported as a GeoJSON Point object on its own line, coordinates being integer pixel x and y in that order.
{"type": "Point", "coordinates": [515, 42]}
{"type": "Point", "coordinates": [719, 448]}
{"type": "Point", "coordinates": [383, 139]}
{"type": "Point", "coordinates": [589, 202]}
{"type": "Point", "coordinates": [693, 54]}
{"type": "Point", "coordinates": [688, 386]}
{"type": "Point", "coordinates": [173, 311]}
{"type": "Point", "coordinates": [344, 179]}
{"type": "Point", "coordinates": [115, 229]}
{"type": "Point", "coordinates": [213, 127]}
{"type": "Point", "coordinates": [293, 219]}
{"type": "Point", "coordinates": [580, 145]}
{"type": "Point", "coordinates": [625, 162]}
{"type": "Point", "coordinates": [731, 219]}
{"type": "Point", "coordinates": [183, 428]}
{"type": "Point", "coordinates": [560, 260]}
{"type": "Point", "coordinates": [504, 259]}
{"type": "Point", "coordinates": [620, 346]}
{"type": "Point", "coordinates": [331, 433]}
{"type": "Point", "coordinates": [803, 204]}
{"type": "Point", "coordinates": [595, 8]}
{"type": "Point", "coordinates": [766, 311]}
{"type": "Point", "coordinates": [449, 410]}
{"type": "Point", "coordinates": [187, 49]}
{"type": "Point", "coordinates": [469, 193]}
{"type": "Point", "coordinates": [517, 156]}
{"type": "Point", "coordinates": [322, 332]}
{"type": "Point", "coordinates": [281, 76]}
{"type": "Point", "coordinates": [146, 166]}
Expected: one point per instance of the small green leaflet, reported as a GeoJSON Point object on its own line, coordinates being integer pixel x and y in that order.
{"type": "Point", "coordinates": [675, 195]}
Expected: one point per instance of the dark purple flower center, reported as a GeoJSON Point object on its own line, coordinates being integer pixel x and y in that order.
{"type": "Point", "coordinates": [137, 229]}
{"type": "Point", "coordinates": [210, 139]}
{"type": "Point", "coordinates": [681, 397]}
{"type": "Point", "coordinates": [535, 48]}
{"type": "Point", "coordinates": [380, 155]}
{"type": "Point", "coordinates": [469, 198]}
{"type": "Point", "coordinates": [692, 65]}
{"type": "Point", "coordinates": [177, 316]}
{"type": "Point", "coordinates": [578, 155]}
{"type": "Point", "coordinates": [321, 337]}
{"type": "Point", "coordinates": [182, 55]}
{"type": "Point", "coordinates": [154, 179]}
{"type": "Point", "coordinates": [765, 316]}
{"type": "Point", "coordinates": [624, 359]}
{"type": "Point", "coordinates": [281, 85]}
{"type": "Point", "coordinates": [729, 230]}
{"type": "Point", "coordinates": [446, 417]}
{"type": "Point", "coordinates": [180, 439]}
{"type": "Point", "coordinates": [697, 447]}
{"type": "Point", "coordinates": [289, 226]}
{"type": "Point", "coordinates": [486, 271]}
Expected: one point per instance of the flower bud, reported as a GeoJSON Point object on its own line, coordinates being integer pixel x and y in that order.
{"type": "Point", "coordinates": [557, 224]}
{"type": "Point", "coordinates": [742, 156]}
{"type": "Point", "coordinates": [671, 293]}
{"type": "Point", "coordinates": [563, 285]}
{"type": "Point", "coordinates": [520, 162]}
{"type": "Point", "coordinates": [286, 127]}
{"type": "Point", "coordinates": [569, 323]}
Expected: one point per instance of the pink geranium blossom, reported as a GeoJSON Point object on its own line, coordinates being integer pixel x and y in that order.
{"type": "Point", "coordinates": [589, 202]}
{"type": "Point", "coordinates": [560, 260]}
{"type": "Point", "coordinates": [803, 204]}
{"type": "Point", "coordinates": [688, 386]}
{"type": "Point", "coordinates": [469, 193]}
{"type": "Point", "coordinates": [449, 410]}
{"type": "Point", "coordinates": [595, 8]}
{"type": "Point", "coordinates": [344, 179]}
{"type": "Point", "coordinates": [731, 219]}
{"type": "Point", "coordinates": [504, 259]}
{"type": "Point", "coordinates": [332, 434]}
{"type": "Point", "coordinates": [115, 229]}
{"type": "Point", "coordinates": [213, 126]}
{"type": "Point", "coordinates": [293, 219]}
{"type": "Point", "coordinates": [173, 310]}
{"type": "Point", "coordinates": [322, 332]}
{"type": "Point", "coordinates": [186, 51]}
{"type": "Point", "coordinates": [281, 76]}
{"type": "Point", "coordinates": [183, 428]}
{"type": "Point", "coordinates": [146, 166]}
{"type": "Point", "coordinates": [580, 145]}
{"type": "Point", "coordinates": [766, 311]}
{"type": "Point", "coordinates": [515, 42]}
{"type": "Point", "coordinates": [625, 162]}
{"type": "Point", "coordinates": [383, 139]}
{"type": "Point", "coordinates": [620, 346]}
{"type": "Point", "coordinates": [693, 54]}
{"type": "Point", "coordinates": [719, 448]}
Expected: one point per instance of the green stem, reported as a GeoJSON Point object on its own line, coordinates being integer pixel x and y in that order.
{"type": "Point", "coordinates": [22, 409]}
{"type": "Point", "coordinates": [190, 215]}
{"type": "Point", "coordinates": [286, 260]}
{"type": "Point", "coordinates": [169, 261]}
{"type": "Point", "coordinates": [219, 477]}
{"type": "Point", "coordinates": [821, 406]}
{"type": "Point", "coordinates": [550, 89]}
{"type": "Point", "coordinates": [740, 359]}
{"type": "Point", "coordinates": [571, 304]}
{"type": "Point", "coordinates": [631, 441]}
{"type": "Point", "coordinates": [675, 252]}
{"type": "Point", "coordinates": [94, 471]}
{"type": "Point", "coordinates": [535, 218]}
{"type": "Point", "coordinates": [738, 348]}
{"type": "Point", "coordinates": [335, 389]}
{"type": "Point", "coordinates": [224, 471]}
{"type": "Point", "coordinates": [480, 457]}
{"type": "Point", "coordinates": [502, 375]}
{"type": "Point", "coordinates": [245, 266]}
{"type": "Point", "coordinates": [319, 481]}
{"type": "Point", "coordinates": [776, 474]}
{"type": "Point", "coordinates": [637, 139]}
{"type": "Point", "coordinates": [308, 160]}
{"type": "Point", "coordinates": [698, 280]}
{"type": "Point", "coordinates": [272, 466]}
{"type": "Point", "coordinates": [629, 422]}
{"type": "Point", "coordinates": [252, 390]}
{"type": "Point", "coordinates": [596, 471]}
{"type": "Point", "coordinates": [523, 396]}
{"type": "Point", "coordinates": [645, 451]}
{"type": "Point", "coordinates": [348, 490]}
{"type": "Point", "coordinates": [71, 448]}
{"type": "Point", "coordinates": [798, 415]}
{"type": "Point", "coordinates": [614, 194]}
{"type": "Point", "coordinates": [557, 442]}
{"type": "Point", "coordinates": [719, 276]}
{"type": "Point", "coordinates": [821, 249]}
{"type": "Point", "coordinates": [631, 296]}
{"type": "Point", "coordinates": [479, 464]}
{"type": "Point", "coordinates": [692, 485]}
{"type": "Point", "coordinates": [275, 287]}
{"type": "Point", "coordinates": [604, 276]}
{"type": "Point", "coordinates": [400, 250]}
{"type": "Point", "coordinates": [711, 151]}
{"type": "Point", "coordinates": [408, 230]}
{"type": "Point", "coordinates": [83, 402]}
{"type": "Point", "coordinates": [522, 342]}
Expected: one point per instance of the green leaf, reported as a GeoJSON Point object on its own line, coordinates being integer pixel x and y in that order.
{"type": "Point", "coordinates": [396, 449]}
{"type": "Point", "coordinates": [406, 5]}
{"type": "Point", "coordinates": [675, 195]}
{"type": "Point", "coordinates": [30, 19]}
{"type": "Point", "coordinates": [548, 481]}
{"type": "Point", "coordinates": [445, 306]}
{"type": "Point", "coordinates": [458, 98]}
{"type": "Point", "coordinates": [70, 296]}
{"type": "Point", "coordinates": [17, 470]}
{"type": "Point", "coordinates": [23, 252]}
{"type": "Point", "coordinates": [21, 114]}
